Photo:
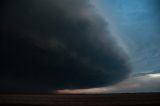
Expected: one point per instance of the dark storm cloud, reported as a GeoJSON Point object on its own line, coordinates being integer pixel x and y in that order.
{"type": "Point", "coordinates": [57, 44]}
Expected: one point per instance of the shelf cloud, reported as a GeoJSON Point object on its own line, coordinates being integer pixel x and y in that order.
{"type": "Point", "coordinates": [57, 44]}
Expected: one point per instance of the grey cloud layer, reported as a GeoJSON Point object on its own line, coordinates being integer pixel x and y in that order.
{"type": "Point", "coordinates": [57, 44]}
{"type": "Point", "coordinates": [135, 84]}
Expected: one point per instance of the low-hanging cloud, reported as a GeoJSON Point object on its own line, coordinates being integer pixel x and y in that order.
{"type": "Point", "coordinates": [144, 82]}
{"type": "Point", "coordinates": [57, 44]}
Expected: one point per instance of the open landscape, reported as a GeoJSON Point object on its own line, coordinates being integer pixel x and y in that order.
{"type": "Point", "coordinates": [81, 100]}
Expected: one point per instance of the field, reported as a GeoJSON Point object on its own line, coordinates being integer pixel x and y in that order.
{"type": "Point", "coordinates": [80, 100]}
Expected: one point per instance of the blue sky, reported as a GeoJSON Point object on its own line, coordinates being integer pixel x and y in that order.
{"type": "Point", "coordinates": [136, 24]}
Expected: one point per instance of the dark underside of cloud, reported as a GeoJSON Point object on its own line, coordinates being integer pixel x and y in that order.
{"type": "Point", "coordinates": [56, 44]}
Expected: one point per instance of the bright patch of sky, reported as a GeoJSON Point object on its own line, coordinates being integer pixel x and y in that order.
{"type": "Point", "coordinates": [142, 83]}
{"type": "Point", "coordinates": [136, 24]}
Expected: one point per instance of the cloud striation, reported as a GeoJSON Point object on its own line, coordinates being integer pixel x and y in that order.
{"type": "Point", "coordinates": [57, 44]}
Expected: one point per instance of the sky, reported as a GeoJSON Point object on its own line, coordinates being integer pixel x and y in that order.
{"type": "Point", "coordinates": [137, 25]}
{"type": "Point", "coordinates": [80, 46]}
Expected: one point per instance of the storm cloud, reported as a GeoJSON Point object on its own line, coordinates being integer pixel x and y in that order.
{"type": "Point", "coordinates": [57, 44]}
{"type": "Point", "coordinates": [141, 83]}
